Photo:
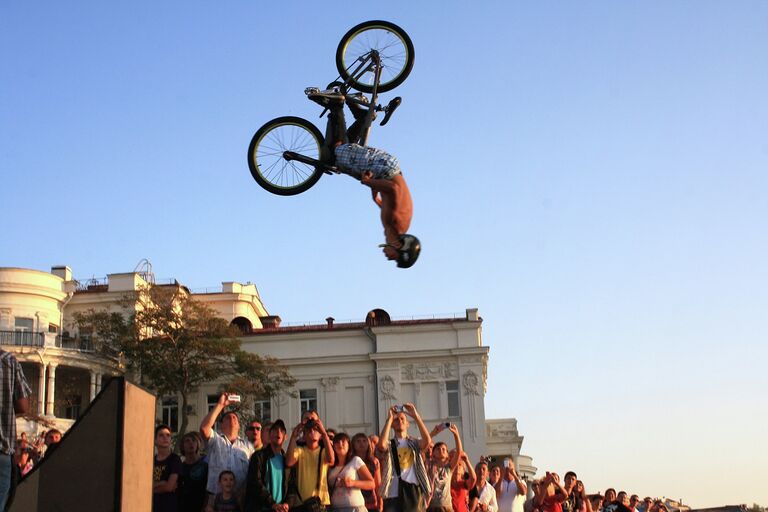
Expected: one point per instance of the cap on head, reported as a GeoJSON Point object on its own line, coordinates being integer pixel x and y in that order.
{"type": "Point", "coordinates": [409, 251]}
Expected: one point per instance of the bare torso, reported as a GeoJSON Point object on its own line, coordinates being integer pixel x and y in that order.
{"type": "Point", "coordinates": [396, 209]}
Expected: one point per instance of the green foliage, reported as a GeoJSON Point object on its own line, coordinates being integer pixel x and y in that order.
{"type": "Point", "coordinates": [173, 344]}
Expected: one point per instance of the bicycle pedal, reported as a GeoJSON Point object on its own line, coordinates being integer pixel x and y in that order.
{"type": "Point", "coordinates": [311, 90]}
{"type": "Point", "coordinates": [390, 109]}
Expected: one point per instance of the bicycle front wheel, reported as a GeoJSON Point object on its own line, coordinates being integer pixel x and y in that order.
{"type": "Point", "coordinates": [393, 45]}
{"type": "Point", "coordinates": [265, 155]}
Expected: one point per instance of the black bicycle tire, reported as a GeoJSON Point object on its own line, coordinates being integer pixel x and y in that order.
{"type": "Point", "coordinates": [384, 87]}
{"type": "Point", "coordinates": [262, 180]}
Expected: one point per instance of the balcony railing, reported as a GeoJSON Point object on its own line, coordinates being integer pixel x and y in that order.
{"type": "Point", "coordinates": [81, 344]}
{"type": "Point", "coordinates": [22, 338]}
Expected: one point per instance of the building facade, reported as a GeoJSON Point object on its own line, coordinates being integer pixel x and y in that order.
{"type": "Point", "coordinates": [351, 373]}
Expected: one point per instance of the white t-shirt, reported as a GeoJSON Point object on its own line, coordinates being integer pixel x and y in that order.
{"type": "Point", "coordinates": [407, 468]}
{"type": "Point", "coordinates": [345, 496]}
{"type": "Point", "coordinates": [488, 497]}
{"type": "Point", "coordinates": [509, 500]}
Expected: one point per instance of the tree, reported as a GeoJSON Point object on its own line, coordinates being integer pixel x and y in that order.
{"type": "Point", "coordinates": [173, 343]}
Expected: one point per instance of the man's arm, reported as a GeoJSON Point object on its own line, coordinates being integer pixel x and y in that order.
{"type": "Point", "coordinates": [426, 439]}
{"type": "Point", "coordinates": [206, 427]}
{"type": "Point", "coordinates": [377, 185]}
{"type": "Point", "coordinates": [459, 448]}
{"type": "Point", "coordinates": [329, 452]}
{"type": "Point", "coordinates": [376, 197]}
{"type": "Point", "coordinates": [290, 455]}
{"type": "Point", "coordinates": [384, 437]}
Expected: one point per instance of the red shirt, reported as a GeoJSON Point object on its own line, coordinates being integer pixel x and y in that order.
{"type": "Point", "coordinates": [460, 496]}
{"type": "Point", "coordinates": [552, 504]}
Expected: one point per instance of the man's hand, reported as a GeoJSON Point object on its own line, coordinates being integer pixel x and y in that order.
{"type": "Point", "coordinates": [224, 400]}
{"type": "Point", "coordinates": [410, 410]}
{"type": "Point", "coordinates": [366, 178]}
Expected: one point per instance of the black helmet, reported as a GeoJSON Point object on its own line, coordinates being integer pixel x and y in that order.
{"type": "Point", "coordinates": [409, 251]}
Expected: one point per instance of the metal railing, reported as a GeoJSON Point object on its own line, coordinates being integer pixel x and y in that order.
{"type": "Point", "coordinates": [80, 343]}
{"type": "Point", "coordinates": [22, 338]}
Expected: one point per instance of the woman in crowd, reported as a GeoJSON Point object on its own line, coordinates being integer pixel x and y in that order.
{"type": "Point", "coordinates": [482, 497]}
{"type": "Point", "coordinates": [362, 447]}
{"type": "Point", "coordinates": [582, 502]}
{"type": "Point", "coordinates": [194, 474]}
{"type": "Point", "coordinates": [463, 480]}
{"type": "Point", "coordinates": [347, 478]}
{"type": "Point", "coordinates": [495, 475]}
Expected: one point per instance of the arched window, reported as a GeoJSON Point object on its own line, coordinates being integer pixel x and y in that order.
{"type": "Point", "coordinates": [243, 324]}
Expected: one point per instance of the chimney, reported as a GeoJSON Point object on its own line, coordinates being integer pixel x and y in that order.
{"type": "Point", "coordinates": [330, 320]}
{"type": "Point", "coordinates": [63, 272]}
{"type": "Point", "coordinates": [270, 322]}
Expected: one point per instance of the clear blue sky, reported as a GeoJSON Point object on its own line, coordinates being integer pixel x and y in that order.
{"type": "Point", "coordinates": [591, 175]}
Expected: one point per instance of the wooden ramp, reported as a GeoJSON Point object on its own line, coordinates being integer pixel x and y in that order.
{"type": "Point", "coordinates": [104, 462]}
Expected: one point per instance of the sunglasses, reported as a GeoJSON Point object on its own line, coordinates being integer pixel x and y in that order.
{"type": "Point", "coordinates": [254, 428]}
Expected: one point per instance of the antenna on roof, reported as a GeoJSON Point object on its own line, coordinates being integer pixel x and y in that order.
{"type": "Point", "coordinates": [144, 269]}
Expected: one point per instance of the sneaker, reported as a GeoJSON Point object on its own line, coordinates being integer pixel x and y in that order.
{"type": "Point", "coordinates": [325, 98]}
{"type": "Point", "coordinates": [358, 110]}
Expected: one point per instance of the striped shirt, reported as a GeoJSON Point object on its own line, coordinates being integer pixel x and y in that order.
{"type": "Point", "coordinates": [14, 387]}
{"type": "Point", "coordinates": [388, 473]}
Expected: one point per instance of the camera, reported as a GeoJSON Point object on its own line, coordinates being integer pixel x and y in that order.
{"type": "Point", "coordinates": [399, 408]}
{"type": "Point", "coordinates": [233, 398]}
{"type": "Point", "coordinates": [310, 424]}
{"type": "Point", "coordinates": [447, 424]}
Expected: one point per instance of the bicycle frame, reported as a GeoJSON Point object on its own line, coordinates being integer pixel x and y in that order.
{"type": "Point", "coordinates": [367, 63]}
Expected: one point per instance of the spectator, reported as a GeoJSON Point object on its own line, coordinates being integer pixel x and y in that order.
{"type": "Point", "coordinates": [14, 399]}
{"type": "Point", "coordinates": [482, 498]}
{"type": "Point", "coordinates": [363, 448]}
{"type": "Point", "coordinates": [634, 502]}
{"type": "Point", "coordinates": [551, 494]}
{"type": "Point", "coordinates": [530, 504]}
{"type": "Point", "coordinates": [267, 483]}
{"type": "Point", "coordinates": [495, 475]}
{"type": "Point", "coordinates": [52, 440]}
{"type": "Point", "coordinates": [463, 481]}
{"type": "Point", "coordinates": [647, 504]}
{"type": "Point", "coordinates": [441, 468]}
{"type": "Point", "coordinates": [166, 473]}
{"type": "Point", "coordinates": [194, 474]}
{"type": "Point", "coordinates": [227, 450]}
{"type": "Point", "coordinates": [596, 502]}
{"type": "Point", "coordinates": [265, 433]}
{"type": "Point", "coordinates": [311, 460]}
{"type": "Point", "coordinates": [253, 434]}
{"type": "Point", "coordinates": [331, 434]}
{"type": "Point", "coordinates": [348, 477]}
{"type": "Point", "coordinates": [226, 499]}
{"type": "Point", "coordinates": [609, 496]}
{"type": "Point", "coordinates": [569, 505]}
{"type": "Point", "coordinates": [404, 481]}
{"type": "Point", "coordinates": [582, 503]}
{"type": "Point", "coordinates": [510, 489]}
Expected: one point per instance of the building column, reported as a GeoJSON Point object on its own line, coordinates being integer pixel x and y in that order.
{"type": "Point", "coordinates": [51, 389]}
{"type": "Point", "coordinates": [98, 383]}
{"type": "Point", "coordinates": [93, 385]}
{"type": "Point", "coordinates": [41, 391]}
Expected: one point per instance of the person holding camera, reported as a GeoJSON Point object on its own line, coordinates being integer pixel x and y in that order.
{"type": "Point", "coordinates": [510, 489]}
{"type": "Point", "coordinates": [226, 450]}
{"type": "Point", "coordinates": [405, 485]}
{"type": "Point", "coordinates": [552, 494]}
{"type": "Point", "coordinates": [464, 479]}
{"type": "Point", "coordinates": [441, 468]}
{"type": "Point", "coordinates": [311, 463]}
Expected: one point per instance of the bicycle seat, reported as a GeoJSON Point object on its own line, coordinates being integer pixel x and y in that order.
{"type": "Point", "coordinates": [390, 109]}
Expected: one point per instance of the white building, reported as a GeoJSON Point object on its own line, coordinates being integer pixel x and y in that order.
{"type": "Point", "coordinates": [351, 372]}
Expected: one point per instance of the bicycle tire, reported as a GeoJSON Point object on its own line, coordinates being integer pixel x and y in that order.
{"type": "Point", "coordinates": [397, 63]}
{"type": "Point", "coordinates": [265, 155]}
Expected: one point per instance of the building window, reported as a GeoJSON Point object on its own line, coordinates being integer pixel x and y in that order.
{"type": "Point", "coordinates": [212, 400]}
{"type": "Point", "coordinates": [53, 328]}
{"type": "Point", "coordinates": [72, 410]}
{"type": "Point", "coordinates": [171, 413]}
{"type": "Point", "coordinates": [262, 410]}
{"type": "Point", "coordinates": [452, 390]}
{"type": "Point", "coordinates": [308, 400]}
{"type": "Point", "coordinates": [23, 328]}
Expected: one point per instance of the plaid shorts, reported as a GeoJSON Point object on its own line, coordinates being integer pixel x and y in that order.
{"type": "Point", "coordinates": [356, 159]}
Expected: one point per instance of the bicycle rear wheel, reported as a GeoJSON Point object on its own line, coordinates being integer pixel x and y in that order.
{"type": "Point", "coordinates": [265, 155]}
{"type": "Point", "coordinates": [390, 41]}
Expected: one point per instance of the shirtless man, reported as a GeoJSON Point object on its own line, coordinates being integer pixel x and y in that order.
{"type": "Point", "coordinates": [376, 169]}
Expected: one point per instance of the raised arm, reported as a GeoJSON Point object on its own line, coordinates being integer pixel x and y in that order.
{"type": "Point", "coordinates": [290, 455]}
{"type": "Point", "coordinates": [457, 439]}
{"type": "Point", "coordinates": [377, 185]}
{"type": "Point", "coordinates": [206, 426]}
{"type": "Point", "coordinates": [426, 438]}
{"type": "Point", "coordinates": [382, 447]}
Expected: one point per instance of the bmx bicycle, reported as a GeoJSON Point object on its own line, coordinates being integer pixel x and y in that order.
{"type": "Point", "coordinates": [289, 154]}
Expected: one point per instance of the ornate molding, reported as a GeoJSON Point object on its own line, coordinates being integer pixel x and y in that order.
{"type": "Point", "coordinates": [429, 371]}
{"type": "Point", "coordinates": [329, 383]}
{"type": "Point", "coordinates": [470, 381]}
{"type": "Point", "coordinates": [387, 365]}
{"type": "Point", "coordinates": [387, 388]}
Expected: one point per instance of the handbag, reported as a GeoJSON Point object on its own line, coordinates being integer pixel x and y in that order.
{"type": "Point", "coordinates": [313, 503]}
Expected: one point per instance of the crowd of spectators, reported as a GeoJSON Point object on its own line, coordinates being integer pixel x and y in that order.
{"type": "Point", "coordinates": [322, 469]}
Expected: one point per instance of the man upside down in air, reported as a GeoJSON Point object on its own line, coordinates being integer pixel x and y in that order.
{"type": "Point", "coordinates": [376, 169]}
